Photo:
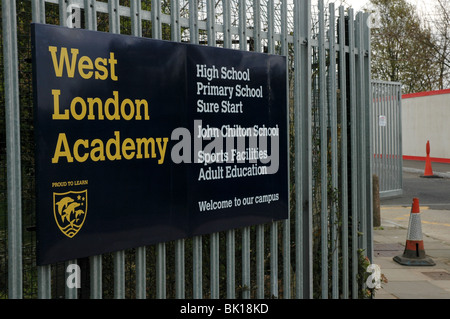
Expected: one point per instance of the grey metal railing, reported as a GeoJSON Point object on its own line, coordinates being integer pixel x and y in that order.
{"type": "Point", "coordinates": [387, 137]}
{"type": "Point", "coordinates": [331, 149]}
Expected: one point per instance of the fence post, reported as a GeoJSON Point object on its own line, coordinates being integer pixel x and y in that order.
{"type": "Point", "coordinates": [245, 230]}
{"type": "Point", "coordinates": [286, 223]}
{"type": "Point", "coordinates": [259, 228]}
{"type": "Point", "coordinates": [400, 139]}
{"type": "Point", "coordinates": [354, 155]}
{"type": "Point", "coordinates": [43, 272]}
{"type": "Point", "coordinates": [197, 264]}
{"type": "Point", "coordinates": [13, 166]}
{"type": "Point", "coordinates": [230, 235]}
{"type": "Point", "coordinates": [141, 274]}
{"type": "Point", "coordinates": [376, 202]}
{"type": "Point", "coordinates": [344, 159]}
{"type": "Point", "coordinates": [369, 137]}
{"type": "Point", "coordinates": [334, 152]}
{"type": "Point", "coordinates": [303, 157]}
{"type": "Point", "coordinates": [161, 247]}
{"type": "Point", "coordinates": [323, 153]}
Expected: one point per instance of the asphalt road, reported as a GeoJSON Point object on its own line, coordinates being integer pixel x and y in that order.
{"type": "Point", "coordinates": [434, 200]}
{"type": "Point", "coordinates": [432, 192]}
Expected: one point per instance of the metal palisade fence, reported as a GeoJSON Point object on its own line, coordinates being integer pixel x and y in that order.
{"type": "Point", "coordinates": [322, 249]}
{"type": "Point", "coordinates": [387, 136]}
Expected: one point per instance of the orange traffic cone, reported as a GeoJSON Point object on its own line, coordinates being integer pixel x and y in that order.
{"type": "Point", "coordinates": [414, 254]}
{"type": "Point", "coordinates": [428, 169]}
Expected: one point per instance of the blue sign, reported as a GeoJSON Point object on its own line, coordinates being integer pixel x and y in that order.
{"type": "Point", "coordinates": [141, 141]}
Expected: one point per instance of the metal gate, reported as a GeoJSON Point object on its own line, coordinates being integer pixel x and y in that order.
{"type": "Point", "coordinates": [387, 137]}
{"type": "Point", "coordinates": [319, 252]}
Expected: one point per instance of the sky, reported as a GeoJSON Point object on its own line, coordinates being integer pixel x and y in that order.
{"type": "Point", "coordinates": [421, 5]}
{"type": "Point", "coordinates": [357, 4]}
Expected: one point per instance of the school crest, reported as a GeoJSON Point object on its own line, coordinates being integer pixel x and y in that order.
{"type": "Point", "coordinates": [70, 211]}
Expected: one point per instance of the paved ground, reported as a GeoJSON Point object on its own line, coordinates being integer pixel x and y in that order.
{"type": "Point", "coordinates": [407, 282]}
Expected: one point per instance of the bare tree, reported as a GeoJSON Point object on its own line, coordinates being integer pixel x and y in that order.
{"type": "Point", "coordinates": [402, 47]}
{"type": "Point", "coordinates": [439, 22]}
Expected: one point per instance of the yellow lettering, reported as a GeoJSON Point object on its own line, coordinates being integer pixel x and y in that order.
{"type": "Point", "coordinates": [86, 68]}
{"type": "Point", "coordinates": [130, 115]}
{"type": "Point", "coordinates": [115, 102]}
{"type": "Point", "coordinates": [85, 63]}
{"type": "Point", "coordinates": [112, 62]}
{"type": "Point", "coordinates": [128, 145]}
{"type": "Point", "coordinates": [100, 64]}
{"type": "Point", "coordinates": [162, 149]}
{"type": "Point", "coordinates": [56, 115]}
{"type": "Point", "coordinates": [73, 111]}
{"type": "Point", "coordinates": [77, 156]}
{"type": "Point", "coordinates": [94, 107]}
{"type": "Point", "coordinates": [99, 149]}
{"type": "Point", "coordinates": [145, 142]}
{"type": "Point", "coordinates": [91, 102]}
{"type": "Point", "coordinates": [62, 142]}
{"type": "Point", "coordinates": [63, 60]}
{"type": "Point", "coordinates": [116, 143]}
{"type": "Point", "coordinates": [114, 149]}
{"type": "Point", "coordinates": [140, 103]}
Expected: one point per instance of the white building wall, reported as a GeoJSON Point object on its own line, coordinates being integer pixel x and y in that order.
{"type": "Point", "coordinates": [426, 117]}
